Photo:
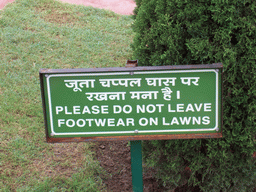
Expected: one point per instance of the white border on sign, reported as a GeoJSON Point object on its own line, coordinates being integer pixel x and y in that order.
{"type": "Point", "coordinates": [137, 131]}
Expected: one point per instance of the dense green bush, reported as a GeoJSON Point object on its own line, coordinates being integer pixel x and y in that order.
{"type": "Point", "coordinates": [135, 11]}
{"type": "Point", "coordinates": [174, 32]}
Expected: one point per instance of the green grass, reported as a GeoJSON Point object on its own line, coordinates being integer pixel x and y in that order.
{"type": "Point", "coordinates": [37, 34]}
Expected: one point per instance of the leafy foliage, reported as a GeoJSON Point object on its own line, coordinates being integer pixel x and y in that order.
{"type": "Point", "coordinates": [211, 31]}
{"type": "Point", "coordinates": [135, 11]}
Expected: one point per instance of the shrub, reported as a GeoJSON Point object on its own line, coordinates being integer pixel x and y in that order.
{"type": "Point", "coordinates": [135, 11]}
{"type": "Point", "coordinates": [173, 32]}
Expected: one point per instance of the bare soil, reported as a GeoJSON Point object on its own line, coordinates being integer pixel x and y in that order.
{"type": "Point", "coordinates": [115, 158]}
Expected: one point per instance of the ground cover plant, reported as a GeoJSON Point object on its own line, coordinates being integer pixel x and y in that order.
{"type": "Point", "coordinates": [187, 32]}
{"type": "Point", "coordinates": [38, 34]}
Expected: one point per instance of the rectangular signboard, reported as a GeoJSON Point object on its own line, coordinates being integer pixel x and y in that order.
{"type": "Point", "coordinates": [138, 103]}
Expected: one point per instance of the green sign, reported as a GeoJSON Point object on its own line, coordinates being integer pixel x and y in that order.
{"type": "Point", "coordinates": [132, 101]}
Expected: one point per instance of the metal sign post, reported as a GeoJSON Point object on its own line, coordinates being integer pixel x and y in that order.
{"type": "Point", "coordinates": [136, 165]}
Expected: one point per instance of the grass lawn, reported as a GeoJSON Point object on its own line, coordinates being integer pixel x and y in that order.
{"type": "Point", "coordinates": [38, 34]}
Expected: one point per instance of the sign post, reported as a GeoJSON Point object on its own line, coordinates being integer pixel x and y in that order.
{"type": "Point", "coordinates": [136, 103]}
{"type": "Point", "coordinates": [136, 166]}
